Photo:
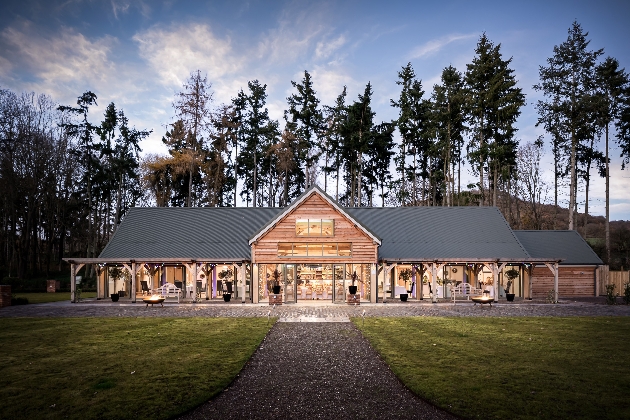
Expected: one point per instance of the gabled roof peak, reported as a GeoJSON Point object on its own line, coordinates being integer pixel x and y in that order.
{"type": "Point", "coordinates": [309, 192]}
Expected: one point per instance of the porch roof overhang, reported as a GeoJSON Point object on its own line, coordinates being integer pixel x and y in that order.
{"type": "Point", "coordinates": [154, 260]}
{"type": "Point", "coordinates": [471, 260]}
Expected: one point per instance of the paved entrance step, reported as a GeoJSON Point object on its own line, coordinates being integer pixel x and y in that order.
{"type": "Point", "coordinates": [314, 319]}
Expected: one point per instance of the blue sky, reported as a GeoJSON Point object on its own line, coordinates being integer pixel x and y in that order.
{"type": "Point", "coordinates": [138, 53]}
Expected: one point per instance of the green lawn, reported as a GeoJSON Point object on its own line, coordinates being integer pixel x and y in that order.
{"type": "Point", "coordinates": [51, 297]}
{"type": "Point", "coordinates": [111, 368]}
{"type": "Point", "coordinates": [499, 368]}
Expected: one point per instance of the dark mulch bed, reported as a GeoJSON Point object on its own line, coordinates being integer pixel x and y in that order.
{"type": "Point", "coordinates": [316, 370]}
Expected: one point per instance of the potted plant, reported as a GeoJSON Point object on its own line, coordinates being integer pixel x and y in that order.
{"type": "Point", "coordinates": [276, 282]}
{"type": "Point", "coordinates": [115, 273]}
{"type": "Point", "coordinates": [353, 289]}
{"type": "Point", "coordinates": [511, 275]}
{"type": "Point", "coordinates": [226, 276]}
{"type": "Point", "coordinates": [405, 275]}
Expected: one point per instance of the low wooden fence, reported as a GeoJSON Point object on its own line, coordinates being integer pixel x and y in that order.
{"type": "Point", "coordinates": [618, 278]}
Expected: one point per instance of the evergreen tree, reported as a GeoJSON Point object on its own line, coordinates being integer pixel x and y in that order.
{"type": "Point", "coordinates": [494, 104]}
{"type": "Point", "coordinates": [357, 133]}
{"type": "Point", "coordinates": [613, 83]}
{"type": "Point", "coordinates": [335, 119]}
{"type": "Point", "coordinates": [448, 117]}
{"type": "Point", "coordinates": [410, 123]}
{"type": "Point", "coordinates": [379, 156]}
{"type": "Point", "coordinates": [566, 82]}
{"type": "Point", "coordinates": [305, 120]}
{"type": "Point", "coordinates": [254, 129]}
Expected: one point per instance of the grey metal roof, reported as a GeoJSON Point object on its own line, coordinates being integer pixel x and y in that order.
{"type": "Point", "coordinates": [429, 233]}
{"type": "Point", "coordinates": [406, 233]}
{"type": "Point", "coordinates": [187, 233]}
{"type": "Point", "coordinates": [565, 244]}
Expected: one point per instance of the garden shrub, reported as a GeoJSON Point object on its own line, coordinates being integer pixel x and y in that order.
{"type": "Point", "coordinates": [611, 298]}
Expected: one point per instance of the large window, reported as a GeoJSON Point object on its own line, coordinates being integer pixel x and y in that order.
{"type": "Point", "coordinates": [315, 227]}
{"type": "Point", "coordinates": [315, 249]}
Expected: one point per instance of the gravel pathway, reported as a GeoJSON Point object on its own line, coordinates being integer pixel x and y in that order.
{"type": "Point", "coordinates": [316, 311]}
{"type": "Point", "coordinates": [323, 370]}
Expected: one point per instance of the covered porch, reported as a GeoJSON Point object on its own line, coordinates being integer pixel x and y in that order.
{"type": "Point", "coordinates": [434, 280]}
{"type": "Point", "coordinates": [172, 278]}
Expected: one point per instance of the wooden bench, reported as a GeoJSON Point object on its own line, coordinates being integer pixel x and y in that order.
{"type": "Point", "coordinates": [169, 290]}
{"type": "Point", "coordinates": [464, 290]}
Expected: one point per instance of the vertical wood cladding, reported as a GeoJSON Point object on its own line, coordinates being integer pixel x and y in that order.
{"type": "Point", "coordinates": [363, 248]}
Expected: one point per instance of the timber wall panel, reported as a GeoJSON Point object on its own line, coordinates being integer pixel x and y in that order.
{"type": "Point", "coordinates": [363, 248]}
{"type": "Point", "coordinates": [618, 278]}
{"type": "Point", "coordinates": [572, 281]}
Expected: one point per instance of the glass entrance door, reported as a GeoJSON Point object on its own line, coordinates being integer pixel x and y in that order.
{"type": "Point", "coordinates": [339, 288]}
{"type": "Point", "coordinates": [290, 284]}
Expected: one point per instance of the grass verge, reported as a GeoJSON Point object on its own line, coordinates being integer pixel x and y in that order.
{"type": "Point", "coordinates": [51, 297]}
{"type": "Point", "coordinates": [119, 368]}
{"type": "Point", "coordinates": [522, 368]}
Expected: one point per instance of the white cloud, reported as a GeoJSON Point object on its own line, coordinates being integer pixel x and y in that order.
{"type": "Point", "coordinates": [435, 45]}
{"type": "Point", "coordinates": [174, 53]}
{"type": "Point", "coordinates": [60, 61]}
{"type": "Point", "coordinates": [325, 48]}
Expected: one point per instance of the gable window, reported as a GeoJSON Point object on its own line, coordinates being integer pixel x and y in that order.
{"type": "Point", "coordinates": [315, 227]}
{"type": "Point", "coordinates": [315, 249]}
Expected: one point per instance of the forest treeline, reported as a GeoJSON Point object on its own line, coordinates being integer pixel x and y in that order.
{"type": "Point", "coordinates": [67, 176]}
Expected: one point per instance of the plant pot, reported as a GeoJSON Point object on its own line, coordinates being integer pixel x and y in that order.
{"type": "Point", "coordinates": [510, 297]}
{"type": "Point", "coordinates": [276, 290]}
{"type": "Point", "coordinates": [352, 290]}
{"type": "Point", "coordinates": [227, 297]}
{"type": "Point", "coordinates": [403, 297]}
{"type": "Point", "coordinates": [115, 297]}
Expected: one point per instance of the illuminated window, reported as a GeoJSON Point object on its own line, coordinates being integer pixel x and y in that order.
{"type": "Point", "coordinates": [301, 227]}
{"type": "Point", "coordinates": [315, 249]}
{"type": "Point", "coordinates": [315, 227]}
{"type": "Point", "coordinates": [285, 250]}
{"type": "Point", "coordinates": [328, 227]}
{"type": "Point", "coordinates": [299, 250]}
{"type": "Point", "coordinates": [344, 249]}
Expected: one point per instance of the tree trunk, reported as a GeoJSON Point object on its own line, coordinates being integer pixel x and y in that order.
{"type": "Point", "coordinates": [573, 185]}
{"type": "Point", "coordinates": [607, 202]}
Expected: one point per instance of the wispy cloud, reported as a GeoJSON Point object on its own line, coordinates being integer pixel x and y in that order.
{"type": "Point", "coordinates": [435, 45]}
{"type": "Point", "coordinates": [56, 63]}
{"type": "Point", "coordinates": [174, 52]}
{"type": "Point", "coordinates": [325, 48]}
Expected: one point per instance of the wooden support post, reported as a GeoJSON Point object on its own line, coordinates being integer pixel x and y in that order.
{"type": "Point", "coordinates": [373, 283]}
{"type": "Point", "coordinates": [73, 283]}
{"type": "Point", "coordinates": [195, 289]}
{"type": "Point", "coordinates": [434, 282]}
{"type": "Point", "coordinates": [555, 281]}
{"type": "Point", "coordinates": [242, 281]}
{"type": "Point", "coordinates": [254, 283]}
{"type": "Point", "coordinates": [133, 281]}
{"type": "Point", "coordinates": [495, 281]}
{"type": "Point", "coordinates": [554, 269]}
{"type": "Point", "coordinates": [74, 269]}
{"type": "Point", "coordinates": [387, 280]}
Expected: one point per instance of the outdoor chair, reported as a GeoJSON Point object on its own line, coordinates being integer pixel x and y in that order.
{"type": "Point", "coordinates": [219, 287]}
{"type": "Point", "coordinates": [228, 287]}
{"type": "Point", "coordinates": [145, 288]}
{"type": "Point", "coordinates": [178, 284]}
{"type": "Point", "coordinates": [200, 288]}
